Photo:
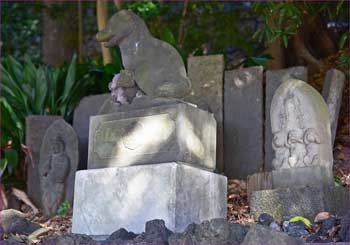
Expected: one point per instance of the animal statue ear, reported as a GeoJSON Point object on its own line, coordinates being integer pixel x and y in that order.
{"type": "Point", "coordinates": [126, 15]}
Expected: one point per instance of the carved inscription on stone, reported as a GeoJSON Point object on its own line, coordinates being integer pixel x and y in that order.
{"type": "Point", "coordinates": [300, 127]}
{"type": "Point", "coordinates": [139, 135]}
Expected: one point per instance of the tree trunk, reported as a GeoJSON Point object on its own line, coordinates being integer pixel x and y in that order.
{"type": "Point", "coordinates": [276, 50]}
{"type": "Point", "coordinates": [60, 39]}
{"type": "Point", "coordinates": [80, 21]}
{"type": "Point", "coordinates": [102, 15]}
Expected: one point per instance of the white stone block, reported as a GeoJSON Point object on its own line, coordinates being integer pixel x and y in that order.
{"type": "Point", "coordinates": [111, 198]}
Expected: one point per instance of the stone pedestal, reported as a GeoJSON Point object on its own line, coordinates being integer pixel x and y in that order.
{"type": "Point", "coordinates": [303, 201]}
{"type": "Point", "coordinates": [111, 198]}
{"type": "Point", "coordinates": [175, 132]}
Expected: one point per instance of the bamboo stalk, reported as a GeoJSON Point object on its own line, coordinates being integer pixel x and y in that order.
{"type": "Point", "coordinates": [102, 15]}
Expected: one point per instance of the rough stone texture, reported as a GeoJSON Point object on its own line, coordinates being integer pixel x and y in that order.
{"type": "Point", "coordinates": [207, 75]}
{"type": "Point", "coordinates": [156, 232]}
{"type": "Point", "coordinates": [243, 124]}
{"type": "Point", "coordinates": [13, 221]}
{"type": "Point", "coordinates": [274, 79]}
{"type": "Point", "coordinates": [216, 231]}
{"type": "Point", "coordinates": [120, 236]}
{"type": "Point", "coordinates": [35, 129]}
{"type": "Point", "coordinates": [259, 234]}
{"type": "Point", "coordinates": [332, 93]}
{"type": "Point", "coordinates": [284, 178]}
{"type": "Point", "coordinates": [59, 156]}
{"type": "Point", "coordinates": [301, 129]}
{"type": "Point", "coordinates": [143, 102]}
{"type": "Point", "coordinates": [157, 66]}
{"type": "Point", "coordinates": [177, 132]}
{"type": "Point", "coordinates": [70, 239]}
{"type": "Point", "coordinates": [110, 198]}
{"type": "Point", "coordinates": [345, 227]}
{"type": "Point", "coordinates": [304, 201]}
{"type": "Point", "coordinates": [88, 106]}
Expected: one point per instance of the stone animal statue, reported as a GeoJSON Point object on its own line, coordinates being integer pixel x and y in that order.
{"type": "Point", "coordinates": [155, 65]}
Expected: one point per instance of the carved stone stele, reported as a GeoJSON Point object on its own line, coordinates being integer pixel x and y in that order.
{"type": "Point", "coordinates": [59, 157]}
{"type": "Point", "coordinates": [301, 127]}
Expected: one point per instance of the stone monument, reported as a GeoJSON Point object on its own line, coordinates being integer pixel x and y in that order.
{"type": "Point", "coordinates": [150, 156]}
{"type": "Point", "coordinates": [58, 163]}
{"type": "Point", "coordinates": [302, 145]}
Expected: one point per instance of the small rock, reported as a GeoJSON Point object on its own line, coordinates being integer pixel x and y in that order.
{"type": "Point", "coordinates": [260, 234]}
{"type": "Point", "coordinates": [265, 219]}
{"type": "Point", "coordinates": [285, 225]}
{"type": "Point", "coordinates": [14, 221]}
{"type": "Point", "coordinates": [70, 239]}
{"type": "Point", "coordinates": [322, 216]}
{"type": "Point", "coordinates": [297, 229]}
{"type": "Point", "coordinates": [344, 232]}
{"type": "Point", "coordinates": [216, 231]}
{"type": "Point", "coordinates": [327, 225]}
{"type": "Point", "coordinates": [11, 240]}
{"type": "Point", "coordinates": [157, 232]}
{"type": "Point", "coordinates": [120, 236]}
{"type": "Point", "coordinates": [275, 226]}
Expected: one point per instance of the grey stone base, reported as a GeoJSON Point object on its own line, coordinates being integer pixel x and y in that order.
{"type": "Point", "coordinates": [285, 178]}
{"type": "Point", "coordinates": [303, 201]}
{"type": "Point", "coordinates": [171, 133]}
{"type": "Point", "coordinates": [110, 198]}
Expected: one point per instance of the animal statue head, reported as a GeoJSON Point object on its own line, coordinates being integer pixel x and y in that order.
{"type": "Point", "coordinates": [118, 27]}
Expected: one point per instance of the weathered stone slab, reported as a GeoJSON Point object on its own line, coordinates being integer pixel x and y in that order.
{"type": "Point", "coordinates": [301, 128]}
{"type": "Point", "coordinates": [243, 125]}
{"type": "Point", "coordinates": [177, 132]}
{"type": "Point", "coordinates": [303, 201]}
{"type": "Point", "coordinates": [138, 103]}
{"type": "Point", "coordinates": [207, 77]}
{"type": "Point", "coordinates": [35, 130]}
{"type": "Point", "coordinates": [274, 79]}
{"type": "Point", "coordinates": [59, 156]}
{"type": "Point", "coordinates": [332, 93]}
{"type": "Point", "coordinates": [88, 106]}
{"type": "Point", "coordinates": [285, 178]}
{"type": "Point", "coordinates": [111, 198]}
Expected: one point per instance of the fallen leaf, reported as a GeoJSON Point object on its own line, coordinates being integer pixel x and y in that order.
{"type": "Point", "coordinates": [33, 237]}
{"type": "Point", "coordinates": [342, 156]}
{"type": "Point", "coordinates": [322, 216]}
{"type": "Point", "coordinates": [21, 195]}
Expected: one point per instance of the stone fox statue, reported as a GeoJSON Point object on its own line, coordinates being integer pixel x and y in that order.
{"type": "Point", "coordinates": [157, 67]}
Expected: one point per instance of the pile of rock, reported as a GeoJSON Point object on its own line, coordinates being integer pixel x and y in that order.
{"type": "Point", "coordinates": [326, 227]}
{"type": "Point", "coordinates": [216, 231]}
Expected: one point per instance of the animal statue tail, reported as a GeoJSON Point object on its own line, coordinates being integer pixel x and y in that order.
{"type": "Point", "coordinates": [176, 90]}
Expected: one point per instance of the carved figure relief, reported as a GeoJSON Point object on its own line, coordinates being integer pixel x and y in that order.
{"type": "Point", "coordinates": [299, 124]}
{"type": "Point", "coordinates": [53, 174]}
{"type": "Point", "coordinates": [57, 165]}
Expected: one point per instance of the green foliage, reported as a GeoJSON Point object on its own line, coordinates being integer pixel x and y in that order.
{"type": "Point", "coordinates": [281, 20]}
{"type": "Point", "coordinates": [64, 208]}
{"type": "Point", "coordinates": [29, 89]}
{"type": "Point", "coordinates": [344, 59]}
{"type": "Point", "coordinates": [21, 29]}
{"type": "Point", "coordinates": [145, 9]}
{"type": "Point", "coordinates": [103, 74]}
